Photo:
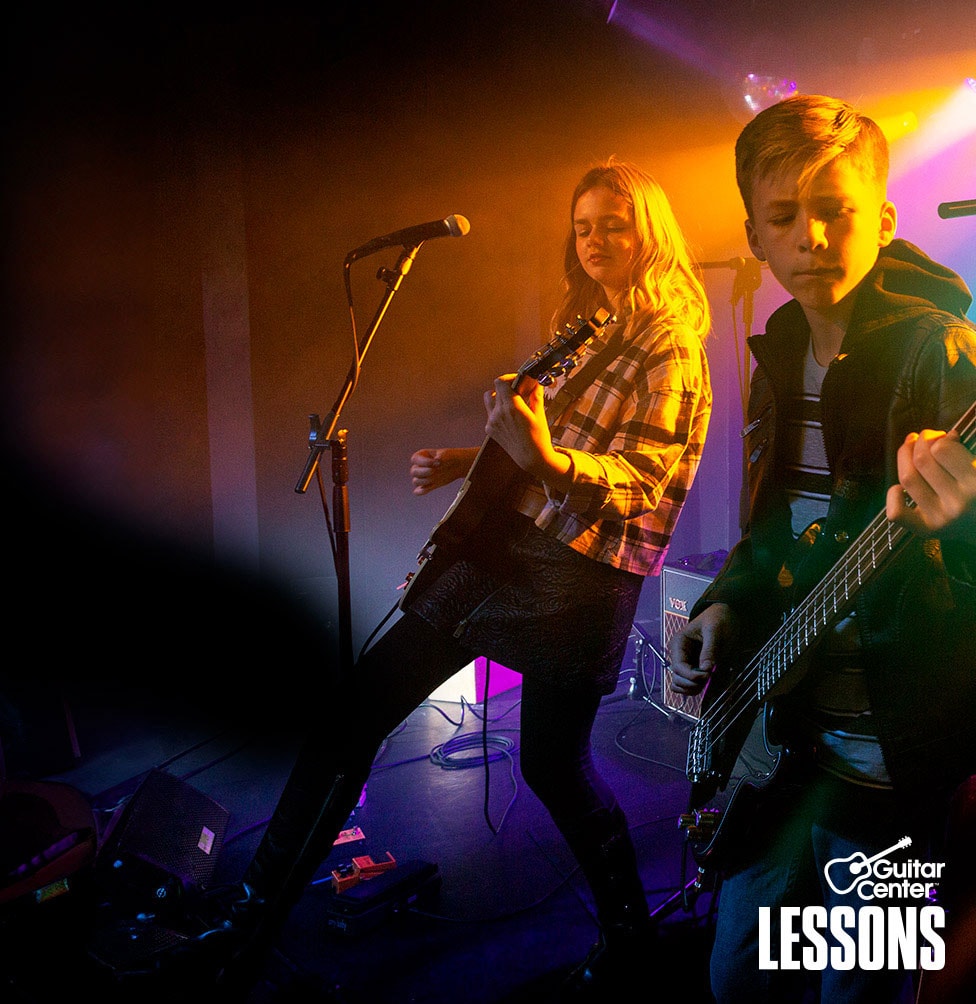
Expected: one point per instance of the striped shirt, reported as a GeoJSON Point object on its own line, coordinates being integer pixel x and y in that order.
{"type": "Point", "coordinates": [839, 720]}
{"type": "Point", "coordinates": [806, 477]}
{"type": "Point", "coordinates": [634, 437]}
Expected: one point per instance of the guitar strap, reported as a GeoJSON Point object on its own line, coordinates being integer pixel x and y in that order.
{"type": "Point", "coordinates": [580, 379]}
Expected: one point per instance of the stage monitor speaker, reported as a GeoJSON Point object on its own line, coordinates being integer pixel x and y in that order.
{"type": "Point", "coordinates": [170, 827]}
{"type": "Point", "coordinates": [158, 853]}
{"type": "Point", "coordinates": [680, 589]}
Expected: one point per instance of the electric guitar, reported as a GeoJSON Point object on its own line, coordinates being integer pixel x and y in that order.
{"type": "Point", "coordinates": [493, 477]}
{"type": "Point", "coordinates": [734, 752]}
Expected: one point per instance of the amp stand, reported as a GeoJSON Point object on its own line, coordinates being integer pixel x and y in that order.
{"type": "Point", "coordinates": [643, 647]}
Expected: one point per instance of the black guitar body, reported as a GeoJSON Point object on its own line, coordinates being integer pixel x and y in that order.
{"type": "Point", "coordinates": [762, 765]}
{"type": "Point", "coordinates": [487, 491]}
{"type": "Point", "coordinates": [491, 484]}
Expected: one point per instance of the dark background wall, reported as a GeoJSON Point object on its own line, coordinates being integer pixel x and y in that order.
{"type": "Point", "coordinates": [181, 189]}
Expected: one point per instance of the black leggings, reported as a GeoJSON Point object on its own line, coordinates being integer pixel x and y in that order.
{"type": "Point", "coordinates": [412, 659]}
{"type": "Point", "coordinates": [389, 682]}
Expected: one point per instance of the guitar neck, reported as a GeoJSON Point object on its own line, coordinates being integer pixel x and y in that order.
{"type": "Point", "coordinates": [834, 595]}
{"type": "Point", "coordinates": [827, 602]}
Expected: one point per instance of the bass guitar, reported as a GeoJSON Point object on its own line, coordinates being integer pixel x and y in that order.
{"type": "Point", "coordinates": [734, 753]}
{"type": "Point", "coordinates": [493, 477]}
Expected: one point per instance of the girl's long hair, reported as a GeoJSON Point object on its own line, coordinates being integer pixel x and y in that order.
{"type": "Point", "coordinates": [663, 282]}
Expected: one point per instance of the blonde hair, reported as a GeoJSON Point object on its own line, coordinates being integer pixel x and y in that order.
{"type": "Point", "coordinates": [663, 281]}
{"type": "Point", "coordinates": [803, 134]}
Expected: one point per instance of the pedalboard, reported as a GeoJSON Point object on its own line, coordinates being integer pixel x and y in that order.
{"type": "Point", "coordinates": [392, 887]}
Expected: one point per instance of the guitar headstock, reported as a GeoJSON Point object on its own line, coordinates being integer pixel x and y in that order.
{"type": "Point", "coordinates": [561, 353]}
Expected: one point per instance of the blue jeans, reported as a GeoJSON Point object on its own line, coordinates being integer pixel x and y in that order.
{"type": "Point", "coordinates": [796, 836]}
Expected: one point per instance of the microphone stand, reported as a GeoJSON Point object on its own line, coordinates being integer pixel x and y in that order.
{"type": "Point", "coordinates": [748, 278]}
{"type": "Point", "coordinates": [323, 435]}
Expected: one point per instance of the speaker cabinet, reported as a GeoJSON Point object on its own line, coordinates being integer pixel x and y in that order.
{"type": "Point", "coordinates": [168, 827]}
{"type": "Point", "coordinates": [679, 591]}
{"type": "Point", "coordinates": [159, 854]}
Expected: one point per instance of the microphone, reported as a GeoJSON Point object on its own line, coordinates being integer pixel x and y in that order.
{"type": "Point", "coordinates": [453, 226]}
{"type": "Point", "coordinates": [949, 209]}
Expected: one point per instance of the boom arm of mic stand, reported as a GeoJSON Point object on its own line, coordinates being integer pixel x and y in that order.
{"type": "Point", "coordinates": [321, 433]}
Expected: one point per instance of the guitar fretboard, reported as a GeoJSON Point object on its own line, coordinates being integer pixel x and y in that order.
{"type": "Point", "coordinates": [828, 601]}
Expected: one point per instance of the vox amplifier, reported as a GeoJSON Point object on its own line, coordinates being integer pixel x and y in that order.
{"type": "Point", "coordinates": [679, 591]}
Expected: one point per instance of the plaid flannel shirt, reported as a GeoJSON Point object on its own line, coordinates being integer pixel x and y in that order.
{"type": "Point", "coordinates": [634, 438]}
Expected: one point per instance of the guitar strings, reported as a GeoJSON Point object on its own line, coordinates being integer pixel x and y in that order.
{"type": "Point", "coordinates": [744, 692]}
{"type": "Point", "coordinates": [746, 688]}
{"type": "Point", "coordinates": [789, 639]}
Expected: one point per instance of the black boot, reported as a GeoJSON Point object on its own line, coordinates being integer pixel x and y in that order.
{"type": "Point", "coordinates": [603, 847]}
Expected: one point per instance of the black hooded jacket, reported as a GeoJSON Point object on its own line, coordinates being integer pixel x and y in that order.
{"type": "Point", "coordinates": [907, 362]}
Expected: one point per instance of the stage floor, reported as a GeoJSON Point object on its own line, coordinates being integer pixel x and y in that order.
{"type": "Point", "coordinates": [486, 904]}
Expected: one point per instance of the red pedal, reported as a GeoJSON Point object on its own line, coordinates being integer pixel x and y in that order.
{"type": "Point", "coordinates": [367, 867]}
{"type": "Point", "coordinates": [344, 877]}
{"type": "Point", "coordinates": [359, 870]}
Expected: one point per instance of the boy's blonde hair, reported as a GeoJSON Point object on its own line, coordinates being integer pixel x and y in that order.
{"type": "Point", "coordinates": [803, 134]}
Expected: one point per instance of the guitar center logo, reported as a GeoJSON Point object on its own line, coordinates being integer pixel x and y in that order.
{"type": "Point", "coordinates": [876, 933]}
{"type": "Point", "coordinates": [878, 877]}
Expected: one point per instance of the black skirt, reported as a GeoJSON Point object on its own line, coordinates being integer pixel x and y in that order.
{"type": "Point", "coordinates": [531, 603]}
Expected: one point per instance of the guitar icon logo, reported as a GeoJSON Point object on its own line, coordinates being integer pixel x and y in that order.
{"type": "Point", "coordinates": [842, 874]}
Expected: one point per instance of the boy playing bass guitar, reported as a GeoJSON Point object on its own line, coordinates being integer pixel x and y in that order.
{"type": "Point", "coordinates": [856, 380]}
